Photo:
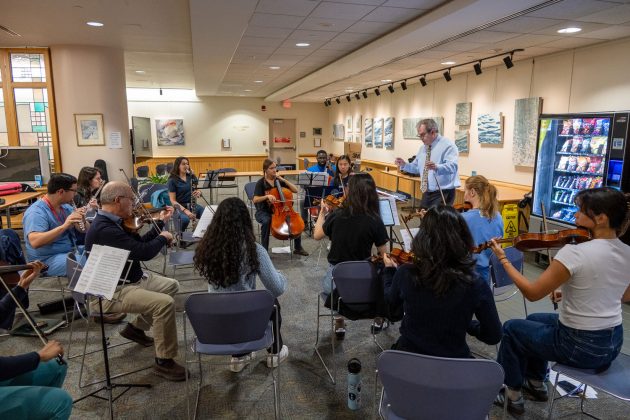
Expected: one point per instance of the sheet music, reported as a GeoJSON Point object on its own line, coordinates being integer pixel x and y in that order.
{"type": "Point", "coordinates": [407, 239]}
{"type": "Point", "coordinates": [313, 179]}
{"type": "Point", "coordinates": [388, 211]}
{"type": "Point", "coordinates": [204, 221]}
{"type": "Point", "coordinates": [102, 271]}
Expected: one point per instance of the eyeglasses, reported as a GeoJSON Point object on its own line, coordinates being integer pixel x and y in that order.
{"type": "Point", "coordinates": [74, 190]}
{"type": "Point", "coordinates": [272, 167]}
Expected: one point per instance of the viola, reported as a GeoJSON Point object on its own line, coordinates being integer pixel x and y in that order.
{"type": "Point", "coordinates": [141, 216]}
{"type": "Point", "coordinates": [286, 223]}
{"type": "Point", "coordinates": [419, 214]}
{"type": "Point", "coordinates": [541, 241]}
{"type": "Point", "coordinates": [331, 201]}
{"type": "Point", "coordinates": [398, 255]}
{"type": "Point", "coordinates": [463, 207]}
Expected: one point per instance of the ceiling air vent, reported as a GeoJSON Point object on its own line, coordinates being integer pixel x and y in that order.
{"type": "Point", "coordinates": [9, 31]}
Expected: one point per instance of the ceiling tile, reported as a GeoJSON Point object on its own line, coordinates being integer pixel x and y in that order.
{"type": "Point", "coordinates": [586, 28]}
{"type": "Point", "coordinates": [282, 60]}
{"type": "Point", "coordinates": [571, 9]}
{"type": "Point", "coordinates": [251, 41]}
{"type": "Point", "coordinates": [276, 21]}
{"type": "Point", "coordinates": [341, 10]}
{"type": "Point", "coordinates": [457, 46]}
{"type": "Point", "coordinates": [415, 4]}
{"type": "Point", "coordinates": [525, 24]}
{"type": "Point", "coordinates": [393, 14]}
{"type": "Point", "coordinates": [337, 45]}
{"type": "Point", "coordinates": [613, 15]}
{"type": "Point", "coordinates": [571, 43]}
{"type": "Point", "coordinates": [326, 24]}
{"type": "Point", "coordinates": [356, 39]}
{"type": "Point", "coordinates": [489, 36]}
{"type": "Point", "coordinates": [375, 28]}
{"type": "Point", "coordinates": [308, 36]}
{"type": "Point", "coordinates": [612, 32]}
{"type": "Point", "coordinates": [288, 47]}
{"type": "Point", "coordinates": [267, 32]}
{"type": "Point", "coordinates": [279, 7]}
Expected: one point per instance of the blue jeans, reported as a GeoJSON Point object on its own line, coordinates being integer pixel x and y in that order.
{"type": "Point", "coordinates": [184, 220]}
{"type": "Point", "coordinates": [528, 344]}
{"type": "Point", "coordinates": [36, 394]}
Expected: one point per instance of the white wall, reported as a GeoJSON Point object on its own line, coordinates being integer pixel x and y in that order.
{"type": "Point", "coordinates": [590, 79]}
{"type": "Point", "coordinates": [240, 119]}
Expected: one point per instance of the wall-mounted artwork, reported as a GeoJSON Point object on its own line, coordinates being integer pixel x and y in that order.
{"type": "Point", "coordinates": [490, 128]}
{"type": "Point", "coordinates": [349, 137]}
{"type": "Point", "coordinates": [409, 128]}
{"type": "Point", "coordinates": [349, 126]}
{"type": "Point", "coordinates": [368, 131]}
{"type": "Point", "coordinates": [339, 132]}
{"type": "Point", "coordinates": [388, 133]}
{"type": "Point", "coordinates": [170, 132]}
{"type": "Point", "coordinates": [461, 141]}
{"type": "Point", "coordinates": [89, 128]}
{"type": "Point", "coordinates": [377, 127]}
{"type": "Point", "coordinates": [462, 113]}
{"type": "Point", "coordinates": [357, 138]}
{"type": "Point", "coordinates": [358, 124]}
{"type": "Point", "coordinates": [526, 113]}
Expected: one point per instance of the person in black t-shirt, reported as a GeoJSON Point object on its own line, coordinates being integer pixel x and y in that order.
{"type": "Point", "coordinates": [352, 229]}
{"type": "Point", "coordinates": [263, 201]}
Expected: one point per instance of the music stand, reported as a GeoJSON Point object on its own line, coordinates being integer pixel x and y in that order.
{"type": "Point", "coordinates": [389, 216]}
{"type": "Point", "coordinates": [310, 181]}
{"type": "Point", "coordinates": [109, 385]}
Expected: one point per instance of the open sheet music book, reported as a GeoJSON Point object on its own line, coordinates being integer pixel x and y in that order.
{"type": "Point", "coordinates": [313, 179]}
{"type": "Point", "coordinates": [102, 271]}
{"type": "Point", "coordinates": [204, 221]}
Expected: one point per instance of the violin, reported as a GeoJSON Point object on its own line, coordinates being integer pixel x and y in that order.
{"type": "Point", "coordinates": [331, 201]}
{"type": "Point", "coordinates": [541, 241]}
{"type": "Point", "coordinates": [398, 255]}
{"type": "Point", "coordinates": [419, 214]}
{"type": "Point", "coordinates": [139, 217]}
{"type": "Point", "coordinates": [463, 207]}
{"type": "Point", "coordinates": [286, 223]}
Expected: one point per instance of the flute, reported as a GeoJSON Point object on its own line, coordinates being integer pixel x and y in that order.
{"type": "Point", "coordinates": [82, 223]}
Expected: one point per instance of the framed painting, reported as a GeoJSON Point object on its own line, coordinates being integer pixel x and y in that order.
{"type": "Point", "coordinates": [388, 133]}
{"type": "Point", "coordinates": [367, 123]}
{"type": "Point", "coordinates": [526, 113]}
{"type": "Point", "coordinates": [89, 129]}
{"type": "Point", "coordinates": [461, 141]}
{"type": "Point", "coordinates": [462, 113]}
{"type": "Point", "coordinates": [170, 132]}
{"type": "Point", "coordinates": [377, 127]}
{"type": "Point", "coordinates": [490, 129]}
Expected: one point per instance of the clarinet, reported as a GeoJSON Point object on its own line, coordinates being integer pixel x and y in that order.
{"type": "Point", "coordinates": [194, 182]}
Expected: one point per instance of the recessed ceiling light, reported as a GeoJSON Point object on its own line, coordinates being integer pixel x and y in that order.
{"type": "Point", "coordinates": [140, 71]}
{"type": "Point", "coordinates": [274, 68]}
{"type": "Point", "coordinates": [97, 24]}
{"type": "Point", "coordinates": [258, 81]}
{"type": "Point", "coordinates": [448, 63]}
{"type": "Point", "coordinates": [302, 44]}
{"type": "Point", "coordinates": [570, 30]}
{"type": "Point", "coordinates": [386, 80]}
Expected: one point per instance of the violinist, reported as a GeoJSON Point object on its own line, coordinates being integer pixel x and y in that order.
{"type": "Point", "coordinates": [483, 220]}
{"type": "Point", "coordinates": [147, 294]}
{"type": "Point", "coordinates": [264, 203]}
{"type": "Point", "coordinates": [590, 280]}
{"type": "Point", "coordinates": [342, 173]}
{"type": "Point", "coordinates": [440, 291]}
{"type": "Point", "coordinates": [180, 192]}
{"type": "Point", "coordinates": [352, 229]}
{"type": "Point", "coordinates": [30, 383]}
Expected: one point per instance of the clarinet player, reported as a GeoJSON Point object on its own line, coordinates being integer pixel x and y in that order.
{"type": "Point", "coordinates": [181, 194]}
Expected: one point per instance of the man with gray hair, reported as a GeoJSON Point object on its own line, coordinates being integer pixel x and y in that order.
{"type": "Point", "coordinates": [436, 163]}
{"type": "Point", "coordinates": [147, 294]}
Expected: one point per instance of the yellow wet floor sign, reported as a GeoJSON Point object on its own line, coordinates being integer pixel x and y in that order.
{"type": "Point", "coordinates": [510, 220]}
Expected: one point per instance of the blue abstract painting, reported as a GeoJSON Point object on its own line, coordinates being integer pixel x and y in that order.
{"type": "Point", "coordinates": [490, 129]}
{"type": "Point", "coordinates": [388, 133]}
{"type": "Point", "coordinates": [378, 132]}
{"type": "Point", "coordinates": [368, 132]}
{"type": "Point", "coordinates": [461, 141]}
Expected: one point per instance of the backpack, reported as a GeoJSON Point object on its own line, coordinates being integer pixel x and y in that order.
{"type": "Point", "coordinates": [160, 198]}
{"type": "Point", "coordinates": [10, 248]}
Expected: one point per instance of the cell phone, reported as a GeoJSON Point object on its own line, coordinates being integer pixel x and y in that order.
{"type": "Point", "coordinates": [568, 387]}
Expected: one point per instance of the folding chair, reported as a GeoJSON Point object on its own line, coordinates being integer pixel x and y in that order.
{"type": "Point", "coordinates": [160, 169]}
{"type": "Point", "coordinates": [229, 323]}
{"type": "Point", "coordinates": [73, 269]}
{"type": "Point", "coordinates": [142, 171]}
{"type": "Point", "coordinates": [146, 191]}
{"type": "Point", "coordinates": [249, 192]}
{"type": "Point", "coordinates": [428, 387]}
{"type": "Point", "coordinates": [614, 381]}
{"type": "Point", "coordinates": [500, 281]}
{"type": "Point", "coordinates": [358, 287]}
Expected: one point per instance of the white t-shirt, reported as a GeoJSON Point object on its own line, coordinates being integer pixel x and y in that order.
{"type": "Point", "coordinates": [600, 274]}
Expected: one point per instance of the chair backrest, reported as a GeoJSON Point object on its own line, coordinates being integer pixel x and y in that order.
{"type": "Point", "coordinates": [169, 167]}
{"type": "Point", "coordinates": [73, 272]}
{"type": "Point", "coordinates": [249, 190]}
{"type": "Point", "coordinates": [147, 190]}
{"type": "Point", "coordinates": [142, 171]}
{"type": "Point", "coordinates": [133, 182]}
{"type": "Point", "coordinates": [498, 275]}
{"type": "Point", "coordinates": [160, 169]}
{"type": "Point", "coordinates": [356, 282]}
{"type": "Point", "coordinates": [230, 317]}
{"type": "Point", "coordinates": [10, 248]}
{"type": "Point", "coordinates": [427, 387]}
{"type": "Point", "coordinates": [226, 178]}
{"type": "Point", "coordinates": [306, 163]}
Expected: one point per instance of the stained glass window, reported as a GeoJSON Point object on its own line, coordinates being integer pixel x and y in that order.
{"type": "Point", "coordinates": [4, 136]}
{"type": "Point", "coordinates": [28, 68]}
{"type": "Point", "coordinates": [33, 118]}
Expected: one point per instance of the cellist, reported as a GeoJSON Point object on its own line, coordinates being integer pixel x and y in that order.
{"type": "Point", "coordinates": [263, 201]}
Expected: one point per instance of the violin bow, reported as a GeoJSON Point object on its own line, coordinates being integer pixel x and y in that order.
{"type": "Point", "coordinates": [439, 188]}
{"type": "Point", "coordinates": [28, 317]}
{"type": "Point", "coordinates": [544, 217]}
{"type": "Point", "coordinates": [343, 189]}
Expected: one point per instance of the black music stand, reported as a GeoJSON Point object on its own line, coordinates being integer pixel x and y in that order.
{"type": "Point", "coordinates": [311, 181]}
{"type": "Point", "coordinates": [109, 385]}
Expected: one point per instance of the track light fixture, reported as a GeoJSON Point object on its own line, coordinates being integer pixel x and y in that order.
{"type": "Point", "coordinates": [326, 102]}
{"type": "Point", "coordinates": [477, 68]}
{"type": "Point", "coordinates": [403, 85]}
{"type": "Point", "coordinates": [447, 75]}
{"type": "Point", "coordinates": [423, 80]}
{"type": "Point", "coordinates": [348, 98]}
{"type": "Point", "coordinates": [377, 92]}
{"type": "Point", "coordinates": [337, 100]}
{"type": "Point", "coordinates": [365, 94]}
{"type": "Point", "coordinates": [390, 88]}
{"type": "Point", "coordinates": [508, 61]}
{"type": "Point", "coordinates": [357, 96]}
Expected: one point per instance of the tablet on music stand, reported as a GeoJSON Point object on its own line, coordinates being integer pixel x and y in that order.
{"type": "Point", "coordinates": [387, 214]}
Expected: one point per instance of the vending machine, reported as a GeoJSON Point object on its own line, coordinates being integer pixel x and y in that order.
{"type": "Point", "coordinates": [575, 152]}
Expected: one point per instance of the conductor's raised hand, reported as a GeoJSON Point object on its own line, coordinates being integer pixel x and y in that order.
{"type": "Point", "coordinates": [399, 161]}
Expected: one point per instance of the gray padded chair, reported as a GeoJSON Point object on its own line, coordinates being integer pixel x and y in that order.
{"type": "Point", "coordinates": [416, 386]}
{"type": "Point", "coordinates": [229, 323]}
{"type": "Point", "coordinates": [500, 281]}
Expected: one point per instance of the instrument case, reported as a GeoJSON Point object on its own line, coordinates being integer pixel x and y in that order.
{"type": "Point", "coordinates": [9, 188]}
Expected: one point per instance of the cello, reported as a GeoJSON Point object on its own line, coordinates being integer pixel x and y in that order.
{"type": "Point", "coordinates": [286, 223]}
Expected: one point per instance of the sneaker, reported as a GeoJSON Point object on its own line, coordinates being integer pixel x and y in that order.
{"type": "Point", "coordinates": [273, 360]}
{"type": "Point", "coordinates": [378, 325]}
{"type": "Point", "coordinates": [515, 408]}
{"type": "Point", "coordinates": [340, 328]}
{"type": "Point", "coordinates": [237, 364]}
{"type": "Point", "coordinates": [169, 369]}
{"type": "Point", "coordinates": [300, 251]}
{"type": "Point", "coordinates": [135, 334]}
{"type": "Point", "coordinates": [109, 318]}
{"type": "Point", "coordinates": [536, 393]}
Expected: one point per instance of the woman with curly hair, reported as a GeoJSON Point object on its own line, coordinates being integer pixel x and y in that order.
{"type": "Point", "coordinates": [231, 259]}
{"type": "Point", "coordinates": [440, 291]}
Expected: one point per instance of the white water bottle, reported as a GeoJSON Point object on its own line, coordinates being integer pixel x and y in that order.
{"type": "Point", "coordinates": [354, 384]}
